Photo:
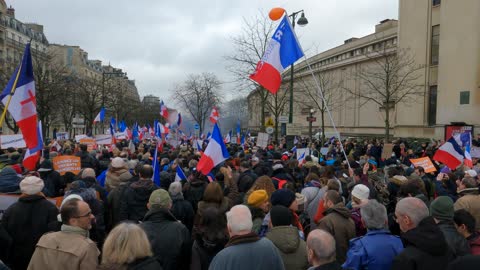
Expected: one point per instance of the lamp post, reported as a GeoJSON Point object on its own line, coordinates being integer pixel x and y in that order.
{"type": "Point", "coordinates": [302, 21]}
{"type": "Point", "coordinates": [310, 123]}
{"type": "Point", "coordinates": [103, 90]}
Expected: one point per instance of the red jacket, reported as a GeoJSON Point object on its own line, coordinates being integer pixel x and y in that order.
{"type": "Point", "coordinates": [475, 244]}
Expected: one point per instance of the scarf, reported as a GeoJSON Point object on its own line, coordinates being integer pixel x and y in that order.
{"type": "Point", "coordinates": [75, 230]}
{"type": "Point", "coordinates": [241, 239]}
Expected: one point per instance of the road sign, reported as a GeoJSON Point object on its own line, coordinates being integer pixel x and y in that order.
{"type": "Point", "coordinates": [269, 130]}
{"type": "Point", "coordinates": [269, 122]}
{"type": "Point", "coordinates": [311, 119]}
{"type": "Point", "coordinates": [283, 119]}
{"type": "Point", "coordinates": [196, 127]}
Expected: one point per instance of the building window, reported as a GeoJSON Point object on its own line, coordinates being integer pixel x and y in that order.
{"type": "Point", "coordinates": [436, 2]}
{"type": "Point", "coordinates": [464, 97]}
{"type": "Point", "coordinates": [435, 45]}
{"type": "Point", "coordinates": [432, 106]}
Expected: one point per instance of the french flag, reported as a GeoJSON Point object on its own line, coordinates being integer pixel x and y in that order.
{"type": "Point", "coordinates": [450, 154]}
{"type": "Point", "coordinates": [214, 115]}
{"type": "Point", "coordinates": [464, 139]}
{"type": "Point", "coordinates": [180, 176]}
{"type": "Point", "coordinates": [214, 154]}
{"type": "Point", "coordinates": [282, 51]}
{"type": "Point", "coordinates": [20, 98]}
{"type": "Point", "coordinates": [100, 116]}
{"type": "Point", "coordinates": [163, 110]}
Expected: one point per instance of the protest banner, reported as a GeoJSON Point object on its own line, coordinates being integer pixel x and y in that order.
{"type": "Point", "coordinates": [79, 137]}
{"type": "Point", "coordinates": [15, 141]}
{"type": "Point", "coordinates": [63, 164]}
{"type": "Point", "coordinates": [7, 199]}
{"type": "Point", "coordinates": [103, 139]}
{"type": "Point", "coordinates": [121, 135]}
{"type": "Point", "coordinates": [90, 142]}
{"type": "Point", "coordinates": [424, 162]}
{"type": "Point", "coordinates": [387, 151]}
{"type": "Point", "coordinates": [62, 136]}
{"type": "Point", "coordinates": [262, 140]}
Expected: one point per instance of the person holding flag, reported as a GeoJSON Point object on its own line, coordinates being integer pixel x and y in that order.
{"type": "Point", "coordinates": [215, 153]}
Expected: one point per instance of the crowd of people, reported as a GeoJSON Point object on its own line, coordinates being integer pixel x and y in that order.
{"type": "Point", "coordinates": [259, 209]}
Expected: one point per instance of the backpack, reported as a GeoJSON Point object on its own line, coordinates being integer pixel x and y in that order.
{"type": "Point", "coordinates": [280, 182]}
{"type": "Point", "coordinates": [381, 189]}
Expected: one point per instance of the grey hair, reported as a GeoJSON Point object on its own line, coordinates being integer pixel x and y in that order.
{"type": "Point", "coordinates": [239, 219]}
{"type": "Point", "coordinates": [414, 208]}
{"type": "Point", "coordinates": [175, 189]}
{"type": "Point", "coordinates": [322, 244]}
{"type": "Point", "coordinates": [374, 214]}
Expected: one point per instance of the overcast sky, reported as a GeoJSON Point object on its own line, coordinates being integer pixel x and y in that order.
{"type": "Point", "coordinates": [159, 42]}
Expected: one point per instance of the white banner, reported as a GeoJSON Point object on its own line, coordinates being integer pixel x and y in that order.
{"type": "Point", "coordinates": [262, 140]}
{"type": "Point", "coordinates": [79, 137]}
{"type": "Point", "coordinates": [62, 135]}
{"type": "Point", "coordinates": [15, 141]}
{"type": "Point", "coordinates": [301, 151]}
{"type": "Point", "coordinates": [103, 139]}
{"type": "Point", "coordinates": [121, 135]}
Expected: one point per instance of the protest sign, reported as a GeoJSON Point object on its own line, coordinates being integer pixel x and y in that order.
{"type": "Point", "coordinates": [15, 141]}
{"type": "Point", "coordinates": [102, 139]}
{"type": "Point", "coordinates": [62, 136]}
{"type": "Point", "coordinates": [262, 140]}
{"type": "Point", "coordinates": [79, 137]}
{"type": "Point", "coordinates": [302, 151]}
{"type": "Point", "coordinates": [387, 151]}
{"type": "Point", "coordinates": [63, 164]}
{"type": "Point", "coordinates": [90, 142]}
{"type": "Point", "coordinates": [424, 162]}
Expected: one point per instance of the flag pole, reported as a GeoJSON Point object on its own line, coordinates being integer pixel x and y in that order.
{"type": "Point", "coordinates": [12, 92]}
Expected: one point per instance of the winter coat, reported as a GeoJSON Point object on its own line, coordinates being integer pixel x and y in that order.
{"type": "Point", "coordinates": [193, 192]}
{"type": "Point", "coordinates": [425, 248]}
{"type": "Point", "coordinates": [183, 211]}
{"type": "Point", "coordinates": [257, 218]}
{"type": "Point", "coordinates": [86, 160]}
{"type": "Point", "coordinates": [292, 249]}
{"type": "Point", "coordinates": [26, 221]}
{"type": "Point", "coordinates": [5, 243]}
{"type": "Point", "coordinates": [169, 238]}
{"type": "Point", "coordinates": [114, 198]}
{"type": "Point", "coordinates": [281, 174]}
{"type": "Point", "coordinates": [9, 181]}
{"type": "Point", "coordinates": [202, 205]}
{"type": "Point", "coordinates": [63, 250]}
{"type": "Point", "coordinates": [457, 243]}
{"type": "Point", "coordinates": [203, 252]}
{"type": "Point", "coordinates": [338, 223]}
{"type": "Point", "coordinates": [474, 243]}
{"type": "Point", "coordinates": [133, 205]}
{"type": "Point", "coordinates": [374, 251]}
{"type": "Point", "coordinates": [356, 216]}
{"type": "Point", "coordinates": [148, 263]}
{"type": "Point", "coordinates": [53, 183]}
{"type": "Point", "coordinates": [313, 195]}
{"type": "Point", "coordinates": [115, 176]}
{"type": "Point", "coordinates": [470, 201]}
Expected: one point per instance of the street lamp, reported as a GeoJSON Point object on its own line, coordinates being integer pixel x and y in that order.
{"type": "Point", "coordinates": [310, 122]}
{"type": "Point", "coordinates": [302, 21]}
{"type": "Point", "coordinates": [117, 73]}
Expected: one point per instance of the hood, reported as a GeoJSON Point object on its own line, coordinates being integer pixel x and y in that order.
{"type": "Point", "coordinates": [159, 215]}
{"type": "Point", "coordinates": [9, 180]}
{"type": "Point", "coordinates": [31, 198]}
{"type": "Point", "coordinates": [340, 209]}
{"type": "Point", "coordinates": [468, 191]}
{"type": "Point", "coordinates": [285, 238]}
{"type": "Point", "coordinates": [426, 237]}
{"type": "Point", "coordinates": [143, 188]}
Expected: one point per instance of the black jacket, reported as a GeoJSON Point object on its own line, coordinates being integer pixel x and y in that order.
{"type": "Point", "coordinates": [183, 211]}
{"type": "Point", "coordinates": [87, 161]}
{"type": "Point", "coordinates": [457, 243]}
{"type": "Point", "coordinates": [133, 206]}
{"type": "Point", "coordinates": [246, 180]}
{"type": "Point", "coordinates": [26, 221]}
{"type": "Point", "coordinates": [148, 263]}
{"type": "Point", "coordinates": [170, 239]}
{"type": "Point", "coordinates": [425, 248]}
{"type": "Point", "coordinates": [193, 192]}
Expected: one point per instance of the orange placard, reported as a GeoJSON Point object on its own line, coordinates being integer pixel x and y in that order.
{"type": "Point", "coordinates": [90, 142]}
{"type": "Point", "coordinates": [424, 162]}
{"type": "Point", "coordinates": [63, 164]}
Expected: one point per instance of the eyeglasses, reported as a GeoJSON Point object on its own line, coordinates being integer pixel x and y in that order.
{"type": "Point", "coordinates": [86, 215]}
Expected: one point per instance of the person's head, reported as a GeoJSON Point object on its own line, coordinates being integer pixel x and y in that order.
{"type": "Point", "coordinates": [239, 220]}
{"type": "Point", "coordinates": [146, 172]}
{"type": "Point", "coordinates": [77, 213]}
{"type": "Point", "coordinates": [280, 216]}
{"type": "Point", "coordinates": [286, 198]}
{"type": "Point", "coordinates": [255, 161]}
{"type": "Point", "coordinates": [31, 185]}
{"type": "Point", "coordinates": [245, 165]}
{"type": "Point", "coordinates": [213, 193]}
{"type": "Point", "coordinates": [159, 199]}
{"type": "Point", "coordinates": [263, 182]}
{"type": "Point", "coordinates": [259, 198]}
{"type": "Point", "coordinates": [333, 185]}
{"type": "Point", "coordinates": [467, 182]}
{"type": "Point", "coordinates": [464, 222]}
{"type": "Point", "coordinates": [124, 244]}
{"type": "Point", "coordinates": [409, 212]}
{"type": "Point", "coordinates": [374, 215]}
{"type": "Point", "coordinates": [360, 194]}
{"type": "Point", "coordinates": [442, 208]}
{"type": "Point", "coordinates": [164, 161]}
{"type": "Point", "coordinates": [175, 189]}
{"type": "Point", "coordinates": [331, 198]}
{"type": "Point", "coordinates": [118, 163]}
{"type": "Point", "coordinates": [88, 172]}
{"type": "Point", "coordinates": [420, 171]}
{"type": "Point", "coordinates": [83, 147]}
{"type": "Point", "coordinates": [320, 248]}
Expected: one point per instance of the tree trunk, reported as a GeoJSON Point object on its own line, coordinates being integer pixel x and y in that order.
{"type": "Point", "coordinates": [323, 127]}
{"type": "Point", "coordinates": [276, 129]}
{"type": "Point", "coordinates": [387, 122]}
{"type": "Point", "coordinates": [262, 114]}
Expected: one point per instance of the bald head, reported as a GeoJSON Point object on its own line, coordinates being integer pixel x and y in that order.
{"type": "Point", "coordinates": [320, 247]}
{"type": "Point", "coordinates": [413, 208]}
{"type": "Point", "coordinates": [239, 220]}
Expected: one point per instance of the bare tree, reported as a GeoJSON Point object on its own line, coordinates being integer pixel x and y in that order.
{"type": "Point", "coordinates": [89, 99]}
{"type": "Point", "coordinates": [390, 77]}
{"type": "Point", "coordinates": [197, 95]}
{"type": "Point", "coordinates": [276, 105]}
{"type": "Point", "coordinates": [249, 48]}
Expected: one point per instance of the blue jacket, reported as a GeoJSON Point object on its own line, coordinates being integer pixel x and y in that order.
{"type": "Point", "coordinates": [374, 251]}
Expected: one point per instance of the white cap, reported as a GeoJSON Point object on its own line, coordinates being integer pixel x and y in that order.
{"type": "Point", "coordinates": [361, 192]}
{"type": "Point", "coordinates": [471, 173]}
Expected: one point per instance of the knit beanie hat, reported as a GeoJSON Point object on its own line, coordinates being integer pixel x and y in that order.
{"type": "Point", "coordinates": [160, 199]}
{"type": "Point", "coordinates": [281, 216]}
{"type": "Point", "coordinates": [283, 197]}
{"type": "Point", "coordinates": [442, 208]}
{"type": "Point", "coordinates": [361, 192]}
{"type": "Point", "coordinates": [118, 162]}
{"type": "Point", "coordinates": [257, 197]}
{"type": "Point", "coordinates": [31, 185]}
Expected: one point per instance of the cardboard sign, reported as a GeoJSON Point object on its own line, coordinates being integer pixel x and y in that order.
{"type": "Point", "coordinates": [262, 140]}
{"type": "Point", "coordinates": [103, 139]}
{"type": "Point", "coordinates": [90, 142]}
{"type": "Point", "coordinates": [62, 136]}
{"type": "Point", "coordinates": [424, 162]}
{"type": "Point", "coordinates": [7, 200]}
{"type": "Point", "coordinates": [475, 152]}
{"type": "Point", "coordinates": [15, 141]}
{"type": "Point", "coordinates": [63, 164]}
{"type": "Point", "coordinates": [387, 151]}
